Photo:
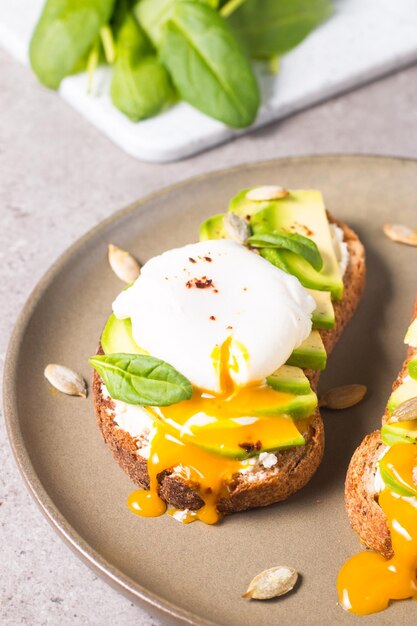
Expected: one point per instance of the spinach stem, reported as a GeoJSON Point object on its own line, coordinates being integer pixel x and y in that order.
{"type": "Point", "coordinates": [230, 7]}
{"type": "Point", "coordinates": [92, 63]}
{"type": "Point", "coordinates": [273, 64]}
{"type": "Point", "coordinates": [107, 40]}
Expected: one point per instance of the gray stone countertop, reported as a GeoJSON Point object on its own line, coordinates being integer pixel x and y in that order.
{"type": "Point", "coordinates": [58, 178]}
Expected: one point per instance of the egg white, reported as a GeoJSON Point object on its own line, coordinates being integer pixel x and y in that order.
{"type": "Point", "coordinates": [189, 300]}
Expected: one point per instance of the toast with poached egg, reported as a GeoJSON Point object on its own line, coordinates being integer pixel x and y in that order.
{"type": "Point", "coordinates": [381, 500]}
{"type": "Point", "coordinates": [246, 329]}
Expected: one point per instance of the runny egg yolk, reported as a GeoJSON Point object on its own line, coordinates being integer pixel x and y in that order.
{"type": "Point", "coordinates": [186, 432]}
{"type": "Point", "coordinates": [367, 582]}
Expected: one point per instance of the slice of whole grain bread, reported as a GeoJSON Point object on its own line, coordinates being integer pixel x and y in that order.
{"type": "Point", "coordinates": [262, 487]}
{"type": "Point", "coordinates": [361, 497]}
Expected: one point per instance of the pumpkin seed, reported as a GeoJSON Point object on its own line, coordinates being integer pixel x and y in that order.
{"type": "Point", "coordinates": [343, 397]}
{"type": "Point", "coordinates": [267, 192]}
{"type": "Point", "coordinates": [66, 380]}
{"type": "Point", "coordinates": [405, 411]}
{"type": "Point", "coordinates": [401, 234]}
{"type": "Point", "coordinates": [236, 227]}
{"type": "Point", "coordinates": [123, 264]}
{"type": "Point", "coordinates": [271, 583]}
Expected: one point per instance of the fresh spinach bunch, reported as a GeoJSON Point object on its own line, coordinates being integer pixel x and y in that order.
{"type": "Point", "coordinates": [200, 49]}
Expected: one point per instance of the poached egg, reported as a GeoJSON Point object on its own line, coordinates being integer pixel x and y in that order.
{"type": "Point", "coordinates": [189, 303]}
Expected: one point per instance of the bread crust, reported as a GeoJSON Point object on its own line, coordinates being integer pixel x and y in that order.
{"type": "Point", "coordinates": [295, 466]}
{"type": "Point", "coordinates": [361, 499]}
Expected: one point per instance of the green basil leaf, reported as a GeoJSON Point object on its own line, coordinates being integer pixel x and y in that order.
{"type": "Point", "coordinates": [141, 379]}
{"type": "Point", "coordinates": [208, 66]}
{"type": "Point", "coordinates": [298, 244]}
{"type": "Point", "coordinates": [140, 85]}
{"type": "Point", "coordinates": [65, 32]}
{"type": "Point", "coordinates": [273, 27]}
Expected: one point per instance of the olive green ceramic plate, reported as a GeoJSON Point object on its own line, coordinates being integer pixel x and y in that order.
{"type": "Point", "coordinates": [196, 574]}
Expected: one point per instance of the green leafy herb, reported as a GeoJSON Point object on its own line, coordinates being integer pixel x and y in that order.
{"type": "Point", "coordinates": [298, 244]}
{"type": "Point", "coordinates": [154, 14]}
{"type": "Point", "coordinates": [141, 379]}
{"type": "Point", "coordinates": [140, 85]}
{"type": "Point", "coordinates": [208, 66]}
{"type": "Point", "coordinates": [273, 27]}
{"type": "Point", "coordinates": [197, 46]}
{"type": "Point", "coordinates": [64, 34]}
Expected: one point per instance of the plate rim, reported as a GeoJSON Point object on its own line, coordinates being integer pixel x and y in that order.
{"type": "Point", "coordinates": [108, 572]}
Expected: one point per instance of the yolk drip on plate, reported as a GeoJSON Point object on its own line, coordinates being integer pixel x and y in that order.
{"type": "Point", "coordinates": [186, 433]}
{"type": "Point", "coordinates": [367, 582]}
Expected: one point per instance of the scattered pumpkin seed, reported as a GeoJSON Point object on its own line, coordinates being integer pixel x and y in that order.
{"type": "Point", "coordinates": [401, 234]}
{"type": "Point", "coordinates": [405, 411]}
{"type": "Point", "coordinates": [267, 192]}
{"type": "Point", "coordinates": [123, 264]}
{"type": "Point", "coordinates": [271, 583]}
{"type": "Point", "coordinates": [236, 227]}
{"type": "Point", "coordinates": [343, 397]}
{"type": "Point", "coordinates": [66, 380]}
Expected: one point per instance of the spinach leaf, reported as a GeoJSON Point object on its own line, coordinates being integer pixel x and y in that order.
{"type": "Point", "coordinates": [298, 244]}
{"type": "Point", "coordinates": [273, 27]}
{"type": "Point", "coordinates": [208, 66]}
{"type": "Point", "coordinates": [140, 85]}
{"type": "Point", "coordinates": [153, 15]}
{"type": "Point", "coordinates": [65, 32]}
{"type": "Point", "coordinates": [141, 379]}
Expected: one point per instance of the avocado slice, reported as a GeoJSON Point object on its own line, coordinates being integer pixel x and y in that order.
{"type": "Point", "coordinates": [289, 379]}
{"type": "Point", "coordinates": [412, 368]}
{"type": "Point", "coordinates": [302, 211]}
{"type": "Point", "coordinates": [212, 228]}
{"type": "Point", "coordinates": [323, 315]}
{"type": "Point", "coordinates": [398, 482]}
{"type": "Point", "coordinates": [297, 266]}
{"type": "Point", "coordinates": [405, 391]}
{"type": "Point", "coordinates": [311, 354]}
{"type": "Point", "coordinates": [244, 442]}
{"type": "Point", "coordinates": [411, 335]}
{"type": "Point", "coordinates": [399, 431]}
{"type": "Point", "coordinates": [390, 481]}
{"type": "Point", "coordinates": [117, 337]}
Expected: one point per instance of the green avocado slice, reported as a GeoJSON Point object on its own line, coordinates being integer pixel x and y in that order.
{"type": "Point", "coordinates": [403, 488]}
{"type": "Point", "coordinates": [405, 432]}
{"type": "Point", "coordinates": [311, 354]}
{"type": "Point", "coordinates": [297, 266]}
{"type": "Point", "coordinates": [405, 391]}
{"type": "Point", "coordinates": [289, 379]}
{"type": "Point", "coordinates": [412, 368]}
{"type": "Point", "coordinates": [117, 337]}
{"type": "Point", "coordinates": [250, 448]}
{"type": "Point", "coordinates": [323, 316]}
{"type": "Point", "coordinates": [390, 481]}
{"type": "Point", "coordinates": [301, 211]}
{"type": "Point", "coordinates": [212, 228]}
